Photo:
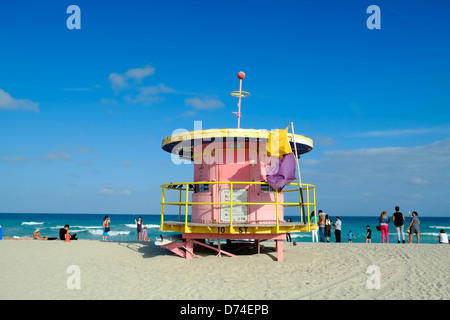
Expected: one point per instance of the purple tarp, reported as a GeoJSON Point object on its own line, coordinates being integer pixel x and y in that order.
{"type": "Point", "coordinates": [285, 173]}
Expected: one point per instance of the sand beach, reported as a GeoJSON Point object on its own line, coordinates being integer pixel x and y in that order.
{"type": "Point", "coordinates": [32, 269]}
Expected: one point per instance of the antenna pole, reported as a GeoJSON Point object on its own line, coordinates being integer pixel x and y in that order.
{"type": "Point", "coordinates": [302, 208]}
{"type": "Point", "coordinates": [240, 94]}
{"type": "Point", "coordinates": [239, 103]}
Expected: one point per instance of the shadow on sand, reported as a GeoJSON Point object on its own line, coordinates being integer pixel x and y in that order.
{"type": "Point", "coordinates": [150, 250]}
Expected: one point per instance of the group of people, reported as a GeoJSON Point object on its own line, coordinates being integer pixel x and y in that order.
{"type": "Point", "coordinates": [141, 229]}
{"type": "Point", "coordinates": [325, 229]}
{"type": "Point", "coordinates": [398, 218]}
{"type": "Point", "coordinates": [63, 233]}
{"type": "Point", "coordinates": [414, 227]}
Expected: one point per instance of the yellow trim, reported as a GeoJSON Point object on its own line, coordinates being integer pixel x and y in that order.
{"type": "Point", "coordinates": [249, 229]}
{"type": "Point", "coordinates": [229, 228]}
{"type": "Point", "coordinates": [277, 230]}
{"type": "Point", "coordinates": [186, 230]}
{"type": "Point", "coordinates": [231, 208]}
{"type": "Point", "coordinates": [241, 93]}
{"type": "Point", "coordinates": [228, 133]}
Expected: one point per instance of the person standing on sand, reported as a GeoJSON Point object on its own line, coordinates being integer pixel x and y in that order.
{"type": "Point", "coordinates": [350, 237]}
{"type": "Point", "coordinates": [106, 229]}
{"type": "Point", "coordinates": [337, 231]}
{"type": "Point", "coordinates": [314, 232]}
{"type": "Point", "coordinates": [328, 227]}
{"type": "Point", "coordinates": [368, 235]}
{"type": "Point", "coordinates": [384, 225]}
{"type": "Point", "coordinates": [321, 226]}
{"type": "Point", "coordinates": [414, 227]}
{"type": "Point", "coordinates": [139, 224]}
{"type": "Point", "coordinates": [398, 219]}
{"type": "Point", "coordinates": [288, 235]}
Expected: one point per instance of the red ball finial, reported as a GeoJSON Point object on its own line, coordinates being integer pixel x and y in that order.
{"type": "Point", "coordinates": [241, 75]}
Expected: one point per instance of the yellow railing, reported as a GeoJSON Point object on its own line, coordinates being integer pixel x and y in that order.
{"type": "Point", "coordinates": [189, 186]}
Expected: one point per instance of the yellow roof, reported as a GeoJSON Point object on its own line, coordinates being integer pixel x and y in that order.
{"type": "Point", "coordinates": [178, 142]}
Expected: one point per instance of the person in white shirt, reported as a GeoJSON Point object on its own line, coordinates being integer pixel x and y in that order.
{"type": "Point", "coordinates": [337, 231]}
{"type": "Point", "coordinates": [443, 238]}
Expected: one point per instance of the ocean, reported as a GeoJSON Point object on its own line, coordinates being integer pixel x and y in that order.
{"type": "Point", "coordinates": [123, 228]}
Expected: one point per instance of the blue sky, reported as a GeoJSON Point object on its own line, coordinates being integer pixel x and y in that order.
{"type": "Point", "coordinates": [83, 112]}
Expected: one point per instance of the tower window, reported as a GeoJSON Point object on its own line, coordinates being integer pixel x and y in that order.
{"type": "Point", "coordinates": [203, 188]}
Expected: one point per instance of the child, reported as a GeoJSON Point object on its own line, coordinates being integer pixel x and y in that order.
{"type": "Point", "coordinates": [144, 235]}
{"type": "Point", "coordinates": [368, 235]}
{"type": "Point", "coordinates": [350, 236]}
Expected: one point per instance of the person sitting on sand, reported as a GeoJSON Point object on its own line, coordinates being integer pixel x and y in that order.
{"type": "Point", "coordinates": [63, 231]}
{"type": "Point", "coordinates": [37, 235]}
{"type": "Point", "coordinates": [443, 237]}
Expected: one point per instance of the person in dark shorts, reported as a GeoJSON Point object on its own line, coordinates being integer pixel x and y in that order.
{"type": "Point", "coordinates": [350, 237]}
{"type": "Point", "coordinates": [368, 235]}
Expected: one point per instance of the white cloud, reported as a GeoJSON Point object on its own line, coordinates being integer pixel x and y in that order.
{"type": "Point", "coordinates": [186, 114]}
{"type": "Point", "coordinates": [127, 163]}
{"type": "Point", "coordinates": [138, 74]}
{"type": "Point", "coordinates": [85, 164]}
{"type": "Point", "coordinates": [84, 150]}
{"type": "Point", "coordinates": [15, 159]}
{"type": "Point", "coordinates": [445, 129]}
{"type": "Point", "coordinates": [320, 140]}
{"type": "Point", "coordinates": [84, 89]}
{"type": "Point", "coordinates": [152, 90]}
{"type": "Point", "coordinates": [118, 82]}
{"type": "Point", "coordinates": [109, 191]}
{"type": "Point", "coordinates": [129, 84]}
{"type": "Point", "coordinates": [108, 101]}
{"type": "Point", "coordinates": [58, 155]}
{"type": "Point", "coordinates": [121, 81]}
{"type": "Point", "coordinates": [204, 104]}
{"type": "Point", "coordinates": [8, 102]}
{"type": "Point", "coordinates": [141, 99]}
{"type": "Point", "coordinates": [148, 95]}
{"type": "Point", "coordinates": [419, 181]}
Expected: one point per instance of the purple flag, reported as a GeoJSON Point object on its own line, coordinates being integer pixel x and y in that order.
{"type": "Point", "coordinates": [285, 173]}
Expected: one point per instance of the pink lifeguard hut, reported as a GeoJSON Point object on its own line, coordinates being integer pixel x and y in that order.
{"type": "Point", "coordinates": [241, 177]}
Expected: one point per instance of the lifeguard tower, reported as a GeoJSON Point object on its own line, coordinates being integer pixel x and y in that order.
{"type": "Point", "coordinates": [239, 188]}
